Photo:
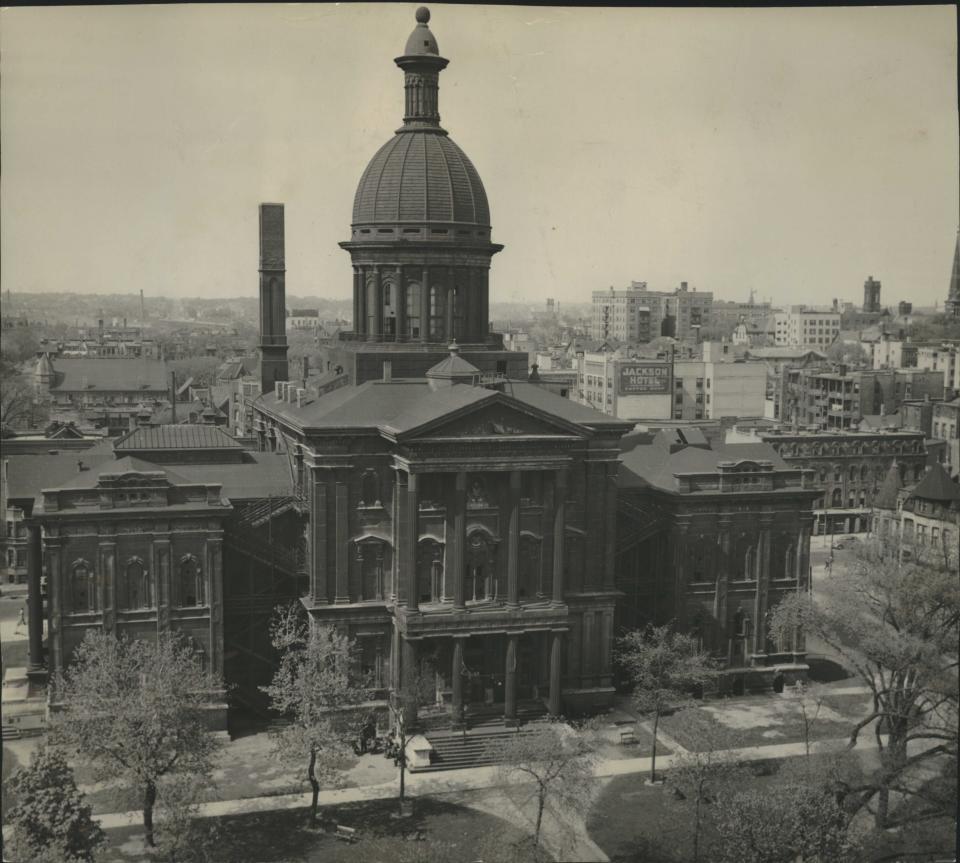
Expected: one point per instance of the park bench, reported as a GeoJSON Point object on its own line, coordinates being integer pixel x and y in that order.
{"type": "Point", "coordinates": [627, 736]}
{"type": "Point", "coordinates": [347, 834]}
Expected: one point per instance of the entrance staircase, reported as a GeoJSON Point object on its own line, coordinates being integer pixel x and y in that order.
{"type": "Point", "coordinates": [476, 746]}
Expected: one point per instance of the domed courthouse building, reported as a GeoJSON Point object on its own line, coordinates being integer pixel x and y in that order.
{"type": "Point", "coordinates": [463, 519]}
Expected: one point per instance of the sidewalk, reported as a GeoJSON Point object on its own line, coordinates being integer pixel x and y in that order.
{"type": "Point", "coordinates": [452, 782]}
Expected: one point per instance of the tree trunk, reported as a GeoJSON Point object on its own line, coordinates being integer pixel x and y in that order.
{"type": "Point", "coordinates": [149, 798]}
{"type": "Point", "coordinates": [536, 829]}
{"type": "Point", "coordinates": [315, 787]}
{"type": "Point", "coordinates": [696, 827]}
{"type": "Point", "coordinates": [653, 757]}
{"type": "Point", "coordinates": [883, 807]}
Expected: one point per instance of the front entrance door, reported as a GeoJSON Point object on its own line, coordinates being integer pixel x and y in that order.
{"type": "Point", "coordinates": [485, 659]}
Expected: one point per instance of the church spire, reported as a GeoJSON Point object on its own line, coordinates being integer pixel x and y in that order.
{"type": "Point", "coordinates": [952, 305]}
{"type": "Point", "coordinates": [422, 64]}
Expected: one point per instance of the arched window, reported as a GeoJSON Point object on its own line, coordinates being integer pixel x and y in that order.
{"type": "Point", "coordinates": [135, 587]}
{"type": "Point", "coordinates": [748, 564]}
{"type": "Point", "coordinates": [823, 474]}
{"type": "Point", "coordinates": [917, 473]}
{"type": "Point", "coordinates": [482, 581]}
{"type": "Point", "coordinates": [837, 498]}
{"type": "Point", "coordinates": [837, 475]}
{"type": "Point", "coordinates": [529, 574]}
{"type": "Point", "coordinates": [413, 310]}
{"type": "Point", "coordinates": [83, 587]}
{"type": "Point", "coordinates": [372, 556]}
{"type": "Point", "coordinates": [853, 472]}
{"type": "Point", "coordinates": [192, 588]}
{"type": "Point", "coordinates": [370, 489]}
{"type": "Point", "coordinates": [863, 473]}
{"type": "Point", "coordinates": [790, 562]}
{"type": "Point", "coordinates": [430, 571]}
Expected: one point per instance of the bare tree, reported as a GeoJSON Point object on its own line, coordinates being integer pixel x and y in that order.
{"type": "Point", "coordinates": [895, 620]}
{"type": "Point", "coordinates": [137, 709]}
{"type": "Point", "coordinates": [698, 776]}
{"type": "Point", "coordinates": [313, 688]}
{"type": "Point", "coordinates": [557, 763]}
{"type": "Point", "coordinates": [666, 667]}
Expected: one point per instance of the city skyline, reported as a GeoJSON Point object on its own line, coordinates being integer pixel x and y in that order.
{"type": "Point", "coordinates": [138, 141]}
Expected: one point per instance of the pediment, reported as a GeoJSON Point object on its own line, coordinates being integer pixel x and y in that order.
{"type": "Point", "coordinates": [499, 420]}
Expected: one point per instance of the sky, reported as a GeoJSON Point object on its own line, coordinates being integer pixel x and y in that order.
{"type": "Point", "coordinates": [789, 151]}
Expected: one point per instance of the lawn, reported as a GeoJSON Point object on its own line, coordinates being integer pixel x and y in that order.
{"type": "Point", "coordinates": [762, 721]}
{"type": "Point", "coordinates": [612, 748]}
{"type": "Point", "coordinates": [636, 823]}
{"type": "Point", "coordinates": [450, 833]}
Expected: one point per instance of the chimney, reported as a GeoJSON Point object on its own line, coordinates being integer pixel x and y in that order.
{"type": "Point", "coordinates": [124, 323]}
{"type": "Point", "coordinates": [273, 304]}
{"type": "Point", "coordinates": [301, 392]}
{"type": "Point", "coordinates": [277, 390]}
{"type": "Point", "coordinates": [305, 370]}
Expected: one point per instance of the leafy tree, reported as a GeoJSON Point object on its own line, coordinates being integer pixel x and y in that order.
{"type": "Point", "coordinates": [137, 709]}
{"type": "Point", "coordinates": [849, 353]}
{"type": "Point", "coordinates": [50, 820]}
{"type": "Point", "coordinates": [18, 400]}
{"type": "Point", "coordinates": [313, 688]}
{"type": "Point", "coordinates": [183, 835]}
{"type": "Point", "coordinates": [783, 824]}
{"type": "Point", "coordinates": [665, 667]}
{"type": "Point", "coordinates": [809, 700]}
{"type": "Point", "coordinates": [895, 622]}
{"type": "Point", "coordinates": [699, 776]}
{"type": "Point", "coordinates": [418, 690]}
{"type": "Point", "coordinates": [555, 761]}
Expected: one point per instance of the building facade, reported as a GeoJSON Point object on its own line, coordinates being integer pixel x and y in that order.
{"type": "Point", "coordinates": [871, 295]}
{"type": "Point", "coordinates": [801, 327]}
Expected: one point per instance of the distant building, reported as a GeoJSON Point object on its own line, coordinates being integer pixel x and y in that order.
{"type": "Point", "coordinates": [303, 319]}
{"type": "Point", "coordinates": [871, 295]}
{"type": "Point", "coordinates": [837, 398]}
{"type": "Point", "coordinates": [637, 314]}
{"type": "Point", "coordinates": [923, 518]}
{"type": "Point", "coordinates": [848, 468]}
{"type": "Point", "coordinates": [943, 357]}
{"type": "Point", "coordinates": [637, 388]}
{"type": "Point", "coordinates": [945, 426]}
{"type": "Point", "coordinates": [891, 353]}
{"type": "Point", "coordinates": [904, 308]}
{"type": "Point", "coordinates": [806, 328]}
{"type": "Point", "coordinates": [951, 306]}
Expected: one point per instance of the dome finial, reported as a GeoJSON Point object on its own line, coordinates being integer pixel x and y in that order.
{"type": "Point", "coordinates": [423, 15]}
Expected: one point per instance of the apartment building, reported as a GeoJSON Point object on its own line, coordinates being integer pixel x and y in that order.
{"type": "Point", "coordinates": [806, 328]}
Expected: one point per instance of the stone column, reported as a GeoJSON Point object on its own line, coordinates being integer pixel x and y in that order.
{"type": "Point", "coordinates": [215, 602]}
{"type": "Point", "coordinates": [456, 679]}
{"type": "Point", "coordinates": [356, 300]}
{"type": "Point", "coordinates": [55, 590]}
{"type": "Point", "coordinates": [319, 589]}
{"type": "Point", "coordinates": [409, 526]}
{"type": "Point", "coordinates": [377, 333]}
{"type": "Point", "coordinates": [723, 580]}
{"type": "Point", "coordinates": [760, 600]}
{"type": "Point", "coordinates": [545, 580]}
{"type": "Point", "coordinates": [513, 541]}
{"type": "Point", "coordinates": [510, 681]}
{"type": "Point", "coordinates": [556, 661]}
{"type": "Point", "coordinates": [343, 535]}
{"type": "Point", "coordinates": [459, 539]}
{"type": "Point", "coordinates": [361, 329]}
{"type": "Point", "coordinates": [107, 575]}
{"type": "Point", "coordinates": [484, 304]}
{"type": "Point", "coordinates": [559, 527]}
{"type": "Point", "coordinates": [610, 526]}
{"type": "Point", "coordinates": [425, 305]}
{"type": "Point", "coordinates": [448, 311]}
{"type": "Point", "coordinates": [160, 561]}
{"type": "Point", "coordinates": [408, 676]}
{"type": "Point", "coordinates": [401, 306]}
{"type": "Point", "coordinates": [34, 597]}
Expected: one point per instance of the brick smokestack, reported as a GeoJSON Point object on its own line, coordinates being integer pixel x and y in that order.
{"type": "Point", "coordinates": [273, 300]}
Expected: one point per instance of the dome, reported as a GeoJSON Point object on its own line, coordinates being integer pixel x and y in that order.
{"type": "Point", "coordinates": [420, 176]}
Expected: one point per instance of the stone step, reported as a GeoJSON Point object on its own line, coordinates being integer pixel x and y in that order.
{"type": "Point", "coordinates": [459, 751]}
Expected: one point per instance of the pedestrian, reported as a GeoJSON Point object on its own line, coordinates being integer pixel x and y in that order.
{"type": "Point", "coordinates": [21, 620]}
